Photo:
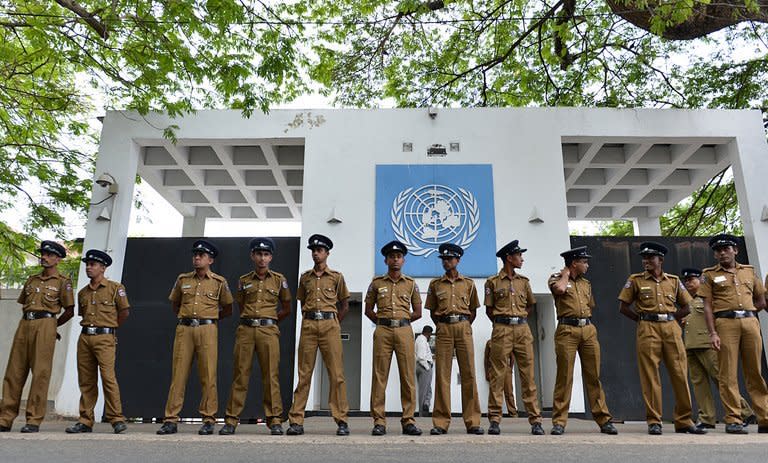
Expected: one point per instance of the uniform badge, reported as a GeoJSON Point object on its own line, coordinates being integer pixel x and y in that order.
{"type": "Point", "coordinates": [186, 286]}
{"type": "Point", "coordinates": [121, 292]}
{"type": "Point", "coordinates": [628, 284]}
{"type": "Point", "coordinates": [69, 286]}
{"type": "Point", "coordinates": [284, 284]}
{"type": "Point", "coordinates": [719, 279]}
{"type": "Point", "coordinates": [416, 287]}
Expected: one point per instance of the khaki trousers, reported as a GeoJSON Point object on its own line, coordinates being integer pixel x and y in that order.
{"type": "Point", "coordinates": [32, 350]}
{"type": "Point", "coordinates": [387, 340]}
{"type": "Point", "coordinates": [657, 341]}
{"type": "Point", "coordinates": [515, 340]}
{"type": "Point", "coordinates": [703, 368]}
{"type": "Point", "coordinates": [509, 392]}
{"type": "Point", "coordinates": [96, 353]}
{"type": "Point", "coordinates": [201, 342]}
{"type": "Point", "coordinates": [740, 339]}
{"type": "Point", "coordinates": [570, 340]}
{"type": "Point", "coordinates": [265, 342]}
{"type": "Point", "coordinates": [455, 337]}
{"type": "Point", "coordinates": [326, 336]}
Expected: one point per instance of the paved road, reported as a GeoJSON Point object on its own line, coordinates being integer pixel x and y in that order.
{"type": "Point", "coordinates": [581, 443]}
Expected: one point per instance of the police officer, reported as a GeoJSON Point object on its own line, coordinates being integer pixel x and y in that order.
{"type": "Point", "coordinates": [452, 302]}
{"type": "Point", "coordinates": [655, 294]}
{"type": "Point", "coordinates": [104, 306]}
{"type": "Point", "coordinates": [508, 302]}
{"type": "Point", "coordinates": [393, 295]}
{"type": "Point", "coordinates": [42, 298]}
{"type": "Point", "coordinates": [576, 334]}
{"type": "Point", "coordinates": [732, 295]}
{"type": "Point", "coordinates": [196, 300]}
{"type": "Point", "coordinates": [702, 359]}
{"type": "Point", "coordinates": [324, 303]}
{"type": "Point", "coordinates": [258, 295]}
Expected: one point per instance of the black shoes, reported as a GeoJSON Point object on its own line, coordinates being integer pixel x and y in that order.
{"type": "Point", "coordinates": [537, 430]}
{"type": "Point", "coordinates": [410, 429]}
{"type": "Point", "coordinates": [751, 419]}
{"type": "Point", "coordinates": [476, 430]}
{"type": "Point", "coordinates": [736, 428]}
{"type": "Point", "coordinates": [557, 430]}
{"type": "Point", "coordinates": [654, 429]}
{"type": "Point", "coordinates": [276, 430]}
{"type": "Point", "coordinates": [167, 428]}
{"type": "Point", "coordinates": [227, 430]}
{"type": "Point", "coordinates": [378, 430]}
{"type": "Point", "coordinates": [30, 428]}
{"type": "Point", "coordinates": [436, 431]}
{"type": "Point", "coordinates": [493, 429]}
{"type": "Point", "coordinates": [5, 429]}
{"type": "Point", "coordinates": [118, 427]}
{"type": "Point", "coordinates": [690, 430]}
{"type": "Point", "coordinates": [295, 430]}
{"type": "Point", "coordinates": [701, 425]}
{"type": "Point", "coordinates": [206, 429]}
{"type": "Point", "coordinates": [762, 429]}
{"type": "Point", "coordinates": [343, 429]}
{"type": "Point", "coordinates": [609, 428]}
{"type": "Point", "coordinates": [78, 428]}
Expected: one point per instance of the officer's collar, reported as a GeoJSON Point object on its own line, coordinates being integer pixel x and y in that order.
{"type": "Point", "coordinates": [255, 276]}
{"type": "Point", "coordinates": [208, 274]}
{"type": "Point", "coordinates": [720, 268]}
{"type": "Point", "coordinates": [56, 274]}
{"type": "Point", "coordinates": [102, 283]}
{"type": "Point", "coordinates": [459, 276]}
{"type": "Point", "coordinates": [647, 275]}
{"type": "Point", "coordinates": [503, 274]}
{"type": "Point", "coordinates": [389, 277]}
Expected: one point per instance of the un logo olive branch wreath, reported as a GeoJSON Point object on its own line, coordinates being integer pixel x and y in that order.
{"type": "Point", "coordinates": [397, 218]}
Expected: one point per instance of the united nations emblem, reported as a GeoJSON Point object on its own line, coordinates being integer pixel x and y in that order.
{"type": "Point", "coordinates": [429, 215]}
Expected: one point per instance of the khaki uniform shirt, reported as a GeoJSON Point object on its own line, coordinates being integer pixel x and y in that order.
{"type": "Point", "coordinates": [696, 332]}
{"type": "Point", "coordinates": [445, 297]}
{"type": "Point", "coordinates": [731, 289]}
{"type": "Point", "coordinates": [654, 296]}
{"type": "Point", "coordinates": [509, 297]}
{"type": "Point", "coordinates": [393, 299]}
{"type": "Point", "coordinates": [200, 297]}
{"type": "Point", "coordinates": [577, 301]}
{"type": "Point", "coordinates": [47, 294]}
{"type": "Point", "coordinates": [259, 298]}
{"type": "Point", "coordinates": [321, 293]}
{"type": "Point", "coordinates": [100, 306]}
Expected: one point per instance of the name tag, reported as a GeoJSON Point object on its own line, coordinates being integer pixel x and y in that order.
{"type": "Point", "coordinates": [568, 285]}
{"type": "Point", "coordinates": [719, 279]}
{"type": "Point", "coordinates": [247, 286]}
{"type": "Point", "coordinates": [646, 288]}
{"type": "Point", "coordinates": [383, 290]}
{"type": "Point", "coordinates": [186, 286]}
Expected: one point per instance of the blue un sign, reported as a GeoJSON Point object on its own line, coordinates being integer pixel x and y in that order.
{"type": "Point", "coordinates": [427, 205]}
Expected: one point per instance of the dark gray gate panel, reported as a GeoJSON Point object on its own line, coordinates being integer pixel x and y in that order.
{"type": "Point", "coordinates": [146, 340]}
{"type": "Point", "coordinates": [614, 259]}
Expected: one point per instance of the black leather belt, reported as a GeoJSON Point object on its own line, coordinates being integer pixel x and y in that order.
{"type": "Point", "coordinates": [452, 318]}
{"type": "Point", "coordinates": [735, 314]}
{"type": "Point", "coordinates": [93, 330]}
{"type": "Point", "coordinates": [317, 315]}
{"type": "Point", "coordinates": [36, 315]}
{"type": "Point", "coordinates": [258, 321]}
{"type": "Point", "coordinates": [511, 320]}
{"type": "Point", "coordinates": [393, 322]}
{"type": "Point", "coordinates": [196, 321]}
{"type": "Point", "coordinates": [575, 321]}
{"type": "Point", "coordinates": [656, 317]}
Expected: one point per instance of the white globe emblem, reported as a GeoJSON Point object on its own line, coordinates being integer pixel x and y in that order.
{"type": "Point", "coordinates": [426, 216]}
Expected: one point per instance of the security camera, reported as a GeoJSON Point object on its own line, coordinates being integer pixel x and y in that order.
{"type": "Point", "coordinates": [107, 181]}
{"type": "Point", "coordinates": [432, 113]}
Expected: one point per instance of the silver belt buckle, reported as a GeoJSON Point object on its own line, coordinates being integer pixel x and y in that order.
{"type": "Point", "coordinates": [394, 323]}
{"type": "Point", "coordinates": [90, 330]}
{"type": "Point", "coordinates": [740, 313]}
{"type": "Point", "coordinates": [453, 318]}
{"type": "Point", "coordinates": [582, 322]}
{"type": "Point", "coordinates": [29, 316]}
{"type": "Point", "coordinates": [316, 316]}
{"type": "Point", "coordinates": [514, 320]}
{"type": "Point", "coordinates": [194, 322]}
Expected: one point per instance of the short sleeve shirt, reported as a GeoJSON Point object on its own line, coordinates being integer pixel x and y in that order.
{"type": "Point", "coordinates": [200, 297]}
{"type": "Point", "coordinates": [731, 289]}
{"type": "Point", "coordinates": [258, 298]}
{"type": "Point", "coordinates": [47, 294]}
{"type": "Point", "coordinates": [652, 295]}
{"type": "Point", "coordinates": [393, 298]}
{"type": "Point", "coordinates": [577, 301]}
{"type": "Point", "coordinates": [321, 293]}
{"type": "Point", "coordinates": [446, 297]}
{"type": "Point", "coordinates": [100, 306]}
{"type": "Point", "coordinates": [508, 296]}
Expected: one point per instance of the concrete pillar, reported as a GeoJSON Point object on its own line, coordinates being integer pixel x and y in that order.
{"type": "Point", "coordinates": [106, 229]}
{"type": "Point", "coordinates": [193, 226]}
{"type": "Point", "coordinates": [749, 155]}
{"type": "Point", "coordinates": [647, 226]}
